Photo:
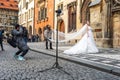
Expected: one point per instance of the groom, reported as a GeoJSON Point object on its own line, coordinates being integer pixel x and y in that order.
{"type": "Point", "coordinates": [48, 35]}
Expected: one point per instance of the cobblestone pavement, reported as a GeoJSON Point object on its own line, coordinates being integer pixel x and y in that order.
{"type": "Point", "coordinates": [11, 69]}
{"type": "Point", "coordinates": [109, 56]}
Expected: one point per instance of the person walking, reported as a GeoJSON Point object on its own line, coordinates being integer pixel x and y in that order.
{"type": "Point", "coordinates": [48, 35]}
{"type": "Point", "coordinates": [1, 39]}
{"type": "Point", "coordinates": [20, 42]}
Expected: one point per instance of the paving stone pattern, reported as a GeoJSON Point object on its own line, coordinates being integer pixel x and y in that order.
{"type": "Point", "coordinates": [11, 69]}
{"type": "Point", "coordinates": [110, 56]}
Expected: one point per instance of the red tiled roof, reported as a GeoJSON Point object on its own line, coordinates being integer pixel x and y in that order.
{"type": "Point", "coordinates": [9, 4]}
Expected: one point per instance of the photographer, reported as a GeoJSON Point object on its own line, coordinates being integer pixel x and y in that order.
{"type": "Point", "coordinates": [20, 42]}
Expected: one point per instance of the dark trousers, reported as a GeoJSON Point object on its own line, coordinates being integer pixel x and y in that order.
{"type": "Point", "coordinates": [23, 52]}
{"type": "Point", "coordinates": [1, 45]}
{"type": "Point", "coordinates": [48, 41]}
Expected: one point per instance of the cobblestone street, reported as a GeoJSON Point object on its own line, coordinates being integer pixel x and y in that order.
{"type": "Point", "coordinates": [11, 69]}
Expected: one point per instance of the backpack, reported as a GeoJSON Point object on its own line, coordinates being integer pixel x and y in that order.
{"type": "Point", "coordinates": [12, 41]}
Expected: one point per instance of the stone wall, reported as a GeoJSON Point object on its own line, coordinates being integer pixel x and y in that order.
{"type": "Point", "coordinates": [96, 24]}
{"type": "Point", "coordinates": [116, 29]}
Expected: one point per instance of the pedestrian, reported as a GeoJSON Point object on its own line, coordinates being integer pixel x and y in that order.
{"type": "Point", "coordinates": [48, 35]}
{"type": "Point", "coordinates": [1, 39]}
{"type": "Point", "coordinates": [25, 34]}
{"type": "Point", "coordinates": [37, 38]}
{"type": "Point", "coordinates": [20, 42]}
{"type": "Point", "coordinates": [33, 38]}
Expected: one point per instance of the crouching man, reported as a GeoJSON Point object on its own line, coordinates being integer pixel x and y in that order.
{"type": "Point", "coordinates": [20, 42]}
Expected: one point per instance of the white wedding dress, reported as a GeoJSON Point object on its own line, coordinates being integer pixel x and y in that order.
{"type": "Point", "coordinates": [85, 45]}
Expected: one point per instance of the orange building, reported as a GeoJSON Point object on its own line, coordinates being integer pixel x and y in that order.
{"type": "Point", "coordinates": [44, 15]}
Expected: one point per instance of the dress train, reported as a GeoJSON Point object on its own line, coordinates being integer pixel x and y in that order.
{"type": "Point", "coordinates": [85, 45]}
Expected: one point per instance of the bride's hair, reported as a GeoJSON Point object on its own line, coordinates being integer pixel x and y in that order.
{"type": "Point", "coordinates": [86, 22]}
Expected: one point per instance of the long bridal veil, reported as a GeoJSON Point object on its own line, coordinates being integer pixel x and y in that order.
{"type": "Point", "coordinates": [68, 36]}
{"type": "Point", "coordinates": [85, 45]}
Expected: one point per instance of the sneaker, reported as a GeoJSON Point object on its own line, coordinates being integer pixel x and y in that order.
{"type": "Point", "coordinates": [15, 56]}
{"type": "Point", "coordinates": [21, 58]}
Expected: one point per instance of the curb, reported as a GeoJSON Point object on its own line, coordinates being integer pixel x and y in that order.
{"type": "Point", "coordinates": [91, 64]}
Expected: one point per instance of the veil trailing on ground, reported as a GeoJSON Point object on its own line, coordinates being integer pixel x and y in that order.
{"type": "Point", "coordinates": [64, 37]}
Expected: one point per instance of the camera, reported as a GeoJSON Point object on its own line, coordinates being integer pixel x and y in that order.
{"type": "Point", "coordinates": [58, 12]}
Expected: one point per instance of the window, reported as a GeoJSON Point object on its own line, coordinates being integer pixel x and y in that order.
{"type": "Point", "coordinates": [40, 1]}
{"type": "Point", "coordinates": [60, 6]}
{"type": "Point", "coordinates": [42, 14]}
{"type": "Point", "coordinates": [1, 4]}
{"type": "Point", "coordinates": [11, 5]}
{"type": "Point", "coordinates": [15, 1]}
{"type": "Point", "coordinates": [26, 5]}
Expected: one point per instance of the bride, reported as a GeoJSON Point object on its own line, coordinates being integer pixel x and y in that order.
{"type": "Point", "coordinates": [85, 45]}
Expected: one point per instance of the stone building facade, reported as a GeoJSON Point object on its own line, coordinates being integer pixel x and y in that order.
{"type": "Point", "coordinates": [26, 15]}
{"type": "Point", "coordinates": [8, 14]}
{"type": "Point", "coordinates": [105, 20]}
{"type": "Point", "coordinates": [69, 20]}
{"type": "Point", "coordinates": [115, 21]}
{"type": "Point", "coordinates": [104, 17]}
